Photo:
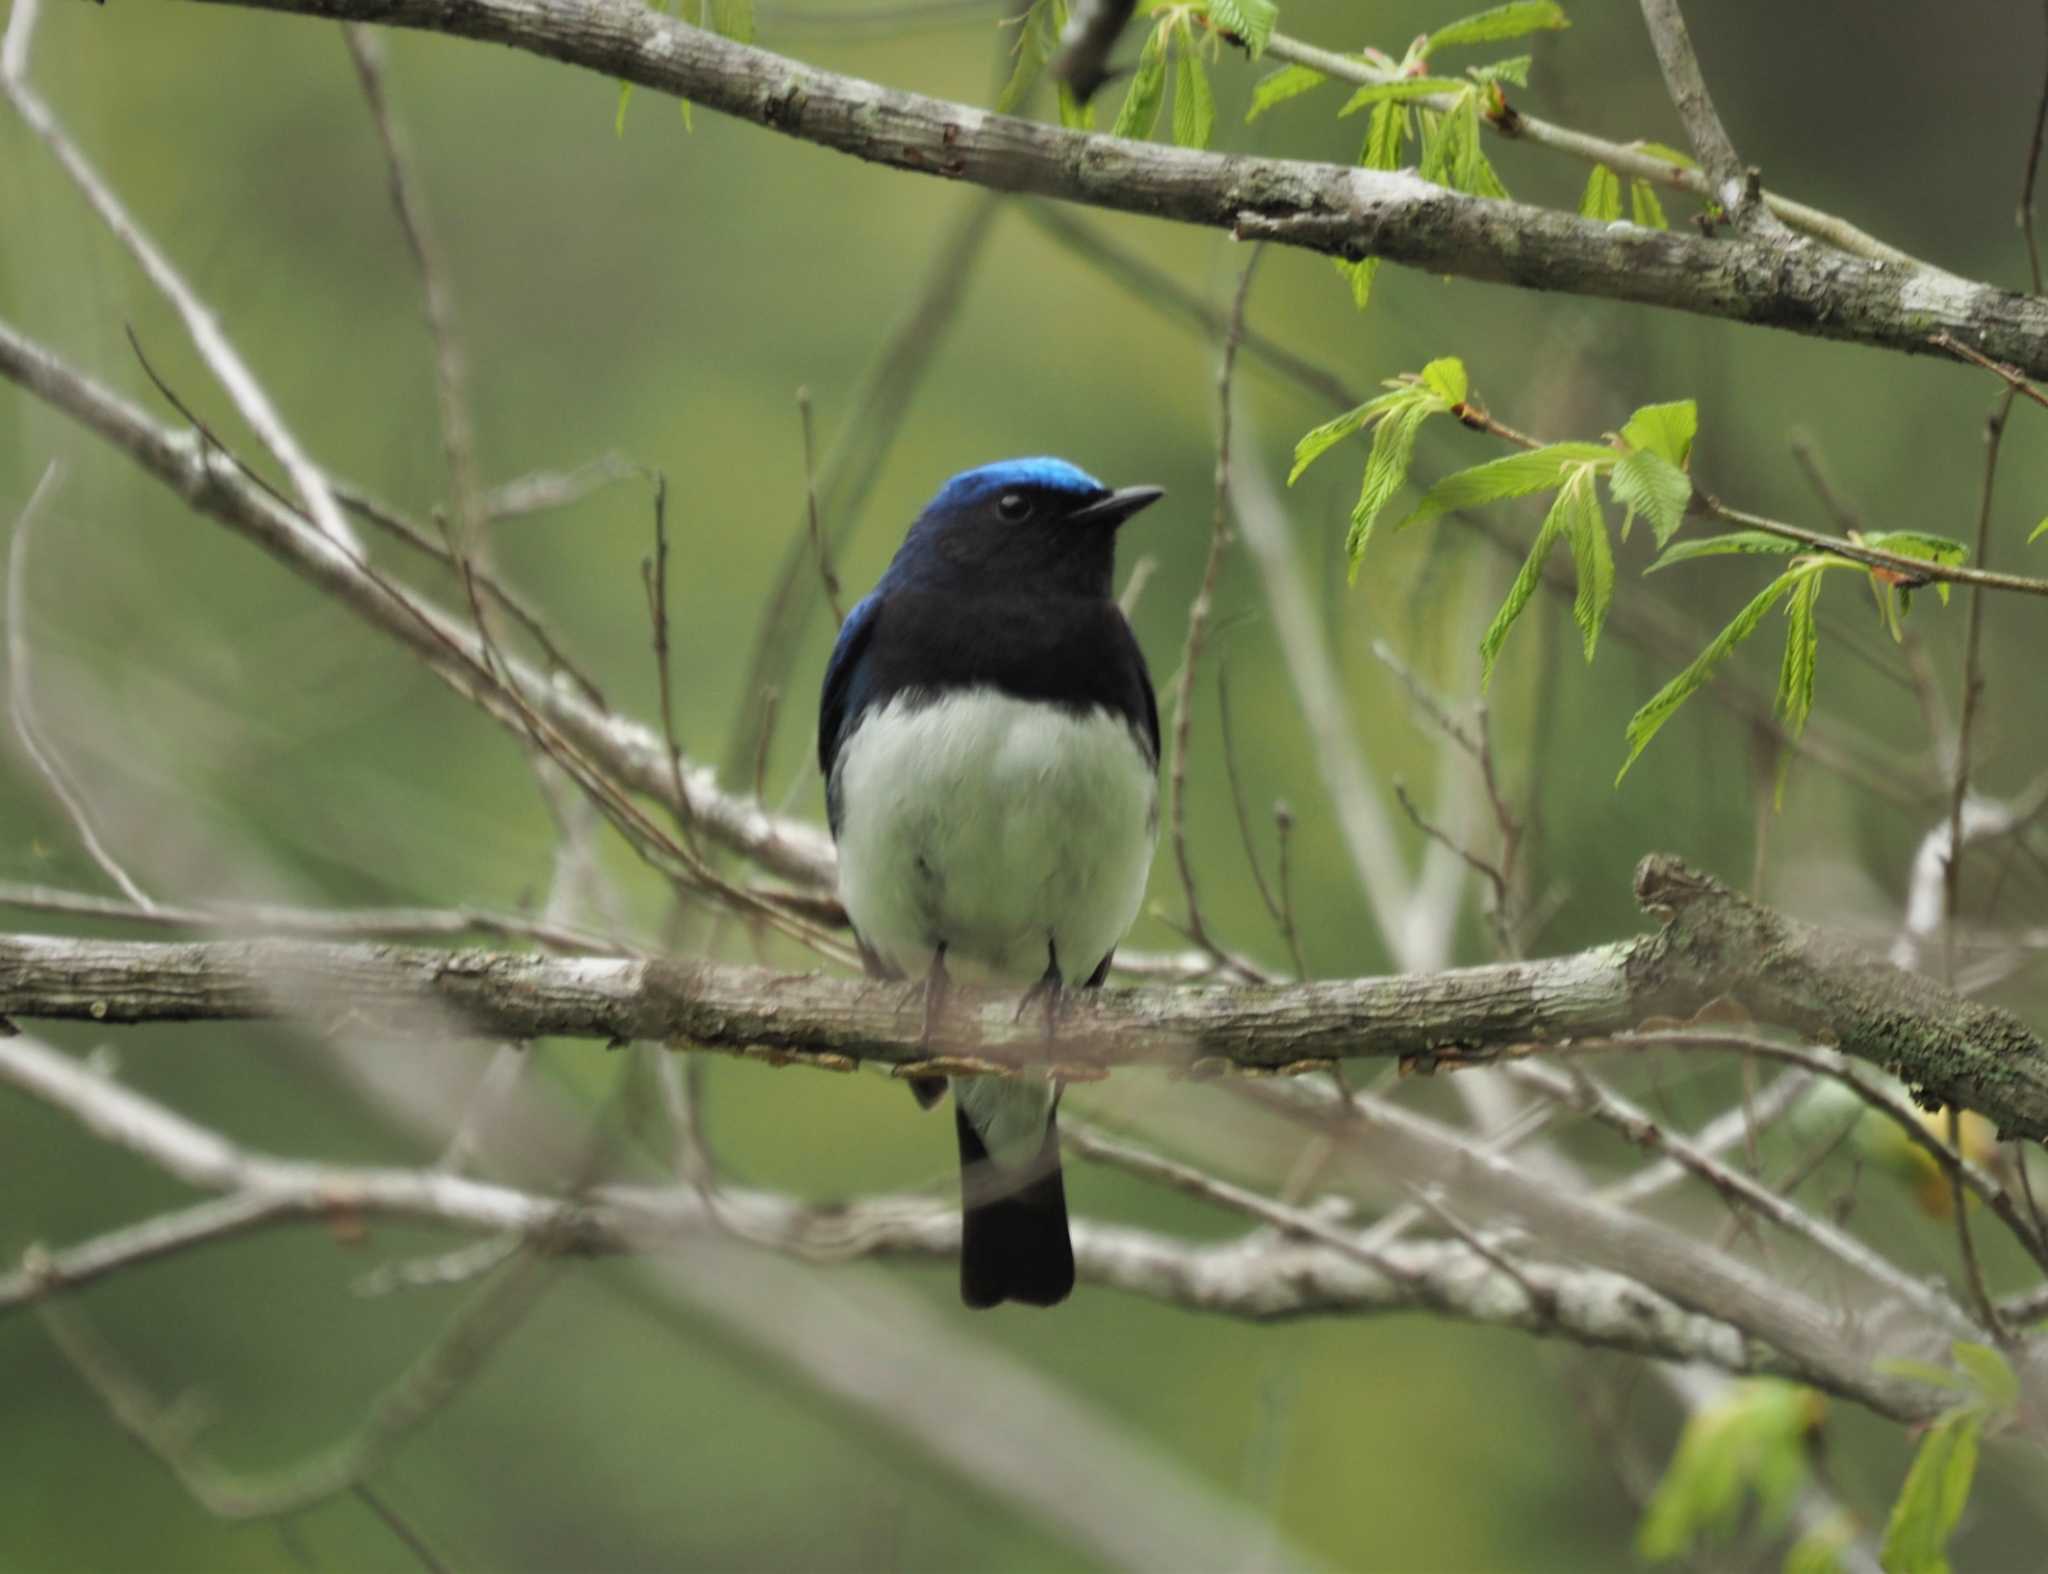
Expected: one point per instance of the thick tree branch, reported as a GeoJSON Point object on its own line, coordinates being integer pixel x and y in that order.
{"type": "Point", "coordinates": [1342, 211]}
{"type": "Point", "coordinates": [1714, 944]}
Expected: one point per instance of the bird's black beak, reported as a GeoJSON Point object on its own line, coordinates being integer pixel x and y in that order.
{"type": "Point", "coordinates": [1114, 509]}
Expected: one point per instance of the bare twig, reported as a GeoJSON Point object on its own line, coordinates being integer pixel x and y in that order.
{"type": "Point", "coordinates": [818, 545]}
{"type": "Point", "coordinates": [2025, 216]}
{"type": "Point", "coordinates": [1740, 196]}
{"type": "Point", "coordinates": [21, 701]}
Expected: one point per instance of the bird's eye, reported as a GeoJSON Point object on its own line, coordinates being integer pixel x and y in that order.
{"type": "Point", "coordinates": [1014, 506]}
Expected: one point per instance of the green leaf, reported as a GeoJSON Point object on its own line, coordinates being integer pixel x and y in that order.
{"type": "Point", "coordinates": [1522, 591]}
{"type": "Point", "coordinates": [1669, 155]}
{"type": "Point", "coordinates": [1030, 54]}
{"type": "Point", "coordinates": [1802, 644]}
{"type": "Point", "coordinates": [1445, 377]}
{"type": "Point", "coordinates": [1517, 475]}
{"type": "Point", "coordinates": [1316, 443]}
{"type": "Point", "coordinates": [1664, 429]}
{"type": "Point", "coordinates": [1147, 92]}
{"type": "Point", "coordinates": [1989, 1371]}
{"type": "Point", "coordinates": [1924, 1372]}
{"type": "Point", "coordinates": [1514, 69]}
{"type": "Point", "coordinates": [1503, 21]}
{"type": "Point", "coordinates": [1602, 200]}
{"type": "Point", "coordinates": [1932, 1500]}
{"type": "Point", "coordinates": [1647, 483]}
{"type": "Point", "coordinates": [1361, 275]}
{"type": "Point", "coordinates": [689, 124]}
{"type": "Point", "coordinates": [1400, 91]}
{"type": "Point", "coordinates": [1471, 170]}
{"type": "Point", "coordinates": [1929, 548]}
{"type": "Point", "coordinates": [1386, 136]}
{"type": "Point", "coordinates": [1194, 106]}
{"type": "Point", "coordinates": [1819, 1550]}
{"type": "Point", "coordinates": [619, 114]}
{"type": "Point", "coordinates": [1751, 1440]}
{"type": "Point", "coordinates": [1439, 150]}
{"type": "Point", "coordinates": [1278, 87]}
{"type": "Point", "coordinates": [1250, 20]}
{"type": "Point", "coordinates": [1393, 445]}
{"type": "Point", "coordinates": [1716, 546]}
{"type": "Point", "coordinates": [1592, 557]}
{"type": "Point", "coordinates": [1075, 115]}
{"type": "Point", "coordinates": [1644, 725]}
{"type": "Point", "coordinates": [2039, 531]}
{"type": "Point", "coordinates": [1648, 211]}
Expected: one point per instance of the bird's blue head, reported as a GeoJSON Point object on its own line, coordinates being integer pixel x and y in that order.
{"type": "Point", "coordinates": [1021, 524]}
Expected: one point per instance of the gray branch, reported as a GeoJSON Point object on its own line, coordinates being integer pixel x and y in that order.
{"type": "Point", "coordinates": [1799, 285]}
{"type": "Point", "coordinates": [1715, 944]}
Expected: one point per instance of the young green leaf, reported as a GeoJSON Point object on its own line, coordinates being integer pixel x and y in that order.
{"type": "Point", "coordinates": [1250, 20]}
{"type": "Point", "coordinates": [1932, 1500]}
{"type": "Point", "coordinates": [1592, 557]}
{"type": "Point", "coordinates": [619, 114]}
{"type": "Point", "coordinates": [1503, 21]}
{"type": "Point", "coordinates": [1440, 131]}
{"type": "Point", "coordinates": [1602, 200]}
{"type": "Point", "coordinates": [1648, 211]}
{"type": "Point", "coordinates": [1147, 91]}
{"type": "Point", "coordinates": [1516, 475]}
{"type": "Point", "coordinates": [1385, 136]}
{"type": "Point", "coordinates": [1360, 274]}
{"type": "Point", "coordinates": [1514, 69]}
{"type": "Point", "coordinates": [1471, 170]}
{"type": "Point", "coordinates": [1522, 590]}
{"type": "Point", "coordinates": [1445, 377]}
{"type": "Point", "coordinates": [1075, 115]}
{"type": "Point", "coordinates": [1925, 1372]}
{"type": "Point", "coordinates": [1393, 445]}
{"type": "Point", "coordinates": [1751, 1440]}
{"type": "Point", "coordinates": [1662, 705]}
{"type": "Point", "coordinates": [1194, 107]}
{"type": "Point", "coordinates": [1716, 546]}
{"type": "Point", "coordinates": [1400, 91]}
{"type": "Point", "coordinates": [1647, 483]}
{"type": "Point", "coordinates": [1029, 53]}
{"type": "Point", "coordinates": [2038, 532]}
{"type": "Point", "coordinates": [1989, 1371]}
{"type": "Point", "coordinates": [1669, 155]}
{"type": "Point", "coordinates": [1664, 429]}
{"type": "Point", "coordinates": [734, 19]}
{"type": "Point", "coordinates": [1277, 87]}
{"type": "Point", "coordinates": [1316, 443]}
{"type": "Point", "coordinates": [1802, 644]}
{"type": "Point", "coordinates": [1820, 1550]}
{"type": "Point", "coordinates": [1929, 548]}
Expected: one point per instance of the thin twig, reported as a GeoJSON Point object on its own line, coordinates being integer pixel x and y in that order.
{"type": "Point", "coordinates": [1740, 196]}
{"type": "Point", "coordinates": [2025, 216]}
{"type": "Point", "coordinates": [1199, 608]}
{"type": "Point", "coordinates": [22, 702]}
{"type": "Point", "coordinates": [654, 578]}
{"type": "Point", "coordinates": [818, 545]}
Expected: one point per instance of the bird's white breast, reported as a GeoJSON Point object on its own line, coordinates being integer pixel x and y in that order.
{"type": "Point", "coordinates": [993, 826]}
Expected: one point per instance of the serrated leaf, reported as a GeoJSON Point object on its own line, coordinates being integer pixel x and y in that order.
{"type": "Point", "coordinates": [1194, 107]}
{"type": "Point", "coordinates": [1989, 1371]}
{"type": "Point", "coordinates": [1393, 446]}
{"type": "Point", "coordinates": [1439, 136]}
{"type": "Point", "coordinates": [1317, 442]}
{"type": "Point", "coordinates": [1445, 377]}
{"type": "Point", "coordinates": [1802, 645]}
{"type": "Point", "coordinates": [1400, 91]}
{"type": "Point", "coordinates": [1385, 137]}
{"type": "Point", "coordinates": [1661, 706]}
{"type": "Point", "coordinates": [1645, 207]}
{"type": "Point", "coordinates": [1250, 20]}
{"type": "Point", "coordinates": [1602, 199]}
{"type": "Point", "coordinates": [1029, 54]}
{"type": "Point", "coordinates": [1647, 483]}
{"type": "Point", "coordinates": [1472, 171]}
{"type": "Point", "coordinates": [1592, 557]}
{"type": "Point", "coordinates": [1517, 475]}
{"type": "Point", "coordinates": [1503, 21]}
{"type": "Point", "coordinates": [1522, 590]}
{"type": "Point", "coordinates": [1514, 69]}
{"type": "Point", "coordinates": [1147, 91]}
{"type": "Point", "coordinates": [1931, 1502]}
{"type": "Point", "coordinates": [1278, 87]}
{"type": "Point", "coordinates": [1922, 544]}
{"type": "Point", "coordinates": [1758, 541]}
{"type": "Point", "coordinates": [1360, 276]}
{"type": "Point", "coordinates": [1665, 429]}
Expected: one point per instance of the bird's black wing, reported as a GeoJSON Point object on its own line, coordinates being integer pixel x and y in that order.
{"type": "Point", "coordinates": [849, 689]}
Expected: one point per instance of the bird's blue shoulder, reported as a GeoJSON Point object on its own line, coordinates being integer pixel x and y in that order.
{"type": "Point", "coordinates": [971, 487]}
{"type": "Point", "coordinates": [847, 689]}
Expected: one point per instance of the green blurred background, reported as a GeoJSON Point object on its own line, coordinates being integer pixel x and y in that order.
{"type": "Point", "coordinates": [664, 294]}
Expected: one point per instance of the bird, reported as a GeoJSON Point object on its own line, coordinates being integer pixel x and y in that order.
{"type": "Point", "coordinates": [989, 738]}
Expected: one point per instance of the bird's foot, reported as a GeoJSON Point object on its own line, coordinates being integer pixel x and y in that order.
{"type": "Point", "coordinates": [1050, 992]}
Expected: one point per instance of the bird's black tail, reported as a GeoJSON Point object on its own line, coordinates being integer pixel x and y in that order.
{"type": "Point", "coordinates": [1013, 1224]}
